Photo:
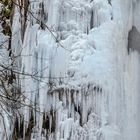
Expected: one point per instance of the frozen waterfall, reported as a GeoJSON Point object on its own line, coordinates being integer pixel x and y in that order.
{"type": "Point", "coordinates": [85, 58]}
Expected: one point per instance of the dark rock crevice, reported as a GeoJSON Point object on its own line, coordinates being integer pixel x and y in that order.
{"type": "Point", "coordinates": [133, 40]}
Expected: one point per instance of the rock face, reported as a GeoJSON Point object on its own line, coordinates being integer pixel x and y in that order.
{"type": "Point", "coordinates": [134, 39]}
{"type": "Point", "coordinates": [84, 59]}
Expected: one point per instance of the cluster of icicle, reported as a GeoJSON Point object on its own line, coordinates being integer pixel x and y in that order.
{"type": "Point", "coordinates": [70, 114]}
{"type": "Point", "coordinates": [63, 111]}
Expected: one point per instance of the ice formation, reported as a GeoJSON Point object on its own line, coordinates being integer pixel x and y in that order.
{"type": "Point", "coordinates": [86, 84]}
